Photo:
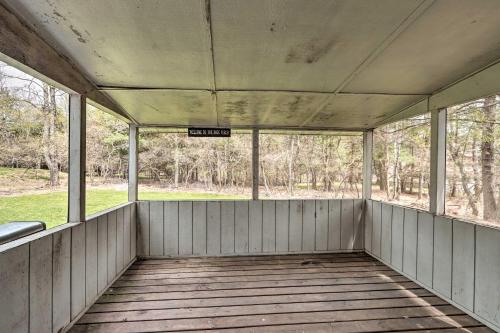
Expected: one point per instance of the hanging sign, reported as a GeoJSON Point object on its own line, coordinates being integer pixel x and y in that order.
{"type": "Point", "coordinates": [209, 132]}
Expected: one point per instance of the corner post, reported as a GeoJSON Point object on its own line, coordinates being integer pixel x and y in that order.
{"type": "Point", "coordinates": [367, 163]}
{"type": "Point", "coordinates": [77, 156]}
{"type": "Point", "coordinates": [255, 164]}
{"type": "Point", "coordinates": [133, 141]}
{"type": "Point", "coordinates": [438, 162]}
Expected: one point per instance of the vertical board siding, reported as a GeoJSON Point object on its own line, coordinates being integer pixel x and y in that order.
{"type": "Point", "coordinates": [56, 275]}
{"type": "Point", "coordinates": [321, 227]}
{"type": "Point", "coordinates": [397, 236]}
{"type": "Point", "coordinates": [377, 228]}
{"type": "Point", "coordinates": [368, 225]}
{"type": "Point", "coordinates": [334, 212]}
{"type": "Point", "coordinates": [133, 231]}
{"type": "Point", "coordinates": [185, 227]}
{"type": "Point", "coordinates": [425, 248]}
{"type": "Point", "coordinates": [171, 229]}
{"type": "Point", "coordinates": [142, 228]}
{"type": "Point", "coordinates": [309, 225]}
{"type": "Point", "coordinates": [487, 291]}
{"type": "Point", "coordinates": [255, 226]}
{"type": "Point", "coordinates": [77, 270]}
{"type": "Point", "coordinates": [111, 246]}
{"type": "Point", "coordinates": [347, 225]}
{"type": "Point", "coordinates": [213, 228]}
{"type": "Point", "coordinates": [358, 224]}
{"type": "Point", "coordinates": [14, 292]}
{"type": "Point", "coordinates": [457, 260]}
{"type": "Point", "coordinates": [199, 228]}
{"type": "Point", "coordinates": [91, 248]}
{"type": "Point", "coordinates": [61, 279]}
{"type": "Point", "coordinates": [120, 238]}
{"type": "Point", "coordinates": [269, 226]}
{"type": "Point", "coordinates": [386, 233]}
{"type": "Point", "coordinates": [295, 226]}
{"type": "Point", "coordinates": [102, 251]}
{"type": "Point", "coordinates": [282, 225]}
{"type": "Point", "coordinates": [126, 235]}
{"type": "Point", "coordinates": [227, 227]}
{"type": "Point", "coordinates": [442, 255]}
{"type": "Point", "coordinates": [463, 263]}
{"type": "Point", "coordinates": [410, 242]}
{"type": "Point", "coordinates": [40, 285]}
{"type": "Point", "coordinates": [156, 225]}
{"type": "Point", "coordinates": [241, 227]}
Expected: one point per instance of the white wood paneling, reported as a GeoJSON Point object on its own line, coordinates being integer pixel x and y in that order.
{"type": "Point", "coordinates": [386, 233]}
{"type": "Point", "coordinates": [309, 225]}
{"type": "Point", "coordinates": [255, 226]}
{"type": "Point", "coordinates": [14, 295]}
{"type": "Point", "coordinates": [487, 291]}
{"type": "Point", "coordinates": [227, 226]}
{"type": "Point", "coordinates": [199, 227]}
{"type": "Point", "coordinates": [171, 229]}
{"type": "Point", "coordinates": [120, 239]}
{"type": "Point", "coordinates": [40, 285]}
{"type": "Point", "coordinates": [368, 225]}
{"type": "Point", "coordinates": [410, 242]}
{"type": "Point", "coordinates": [185, 227]}
{"type": "Point", "coordinates": [213, 228]}
{"type": "Point", "coordinates": [133, 231]}
{"type": "Point", "coordinates": [48, 279]}
{"type": "Point", "coordinates": [443, 239]}
{"type": "Point", "coordinates": [91, 255]}
{"type": "Point", "coordinates": [126, 235]}
{"type": "Point", "coordinates": [61, 275]}
{"type": "Point", "coordinates": [102, 251]}
{"type": "Point", "coordinates": [397, 236]}
{"type": "Point", "coordinates": [269, 226]}
{"type": "Point", "coordinates": [321, 241]}
{"type": "Point", "coordinates": [112, 245]}
{"type": "Point", "coordinates": [77, 270]}
{"type": "Point", "coordinates": [425, 248]}
{"type": "Point", "coordinates": [241, 226]}
{"type": "Point", "coordinates": [377, 228]}
{"type": "Point", "coordinates": [156, 225]}
{"type": "Point", "coordinates": [295, 226]}
{"type": "Point", "coordinates": [282, 225]}
{"type": "Point", "coordinates": [463, 262]}
{"type": "Point", "coordinates": [142, 228]}
{"type": "Point", "coordinates": [358, 224]}
{"type": "Point", "coordinates": [347, 225]}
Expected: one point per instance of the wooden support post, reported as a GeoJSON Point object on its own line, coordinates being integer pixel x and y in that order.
{"type": "Point", "coordinates": [438, 162]}
{"type": "Point", "coordinates": [367, 163]}
{"type": "Point", "coordinates": [255, 164]}
{"type": "Point", "coordinates": [133, 141]}
{"type": "Point", "coordinates": [77, 152]}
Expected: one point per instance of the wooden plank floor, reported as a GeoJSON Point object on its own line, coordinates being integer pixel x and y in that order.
{"type": "Point", "coordinates": [292, 293]}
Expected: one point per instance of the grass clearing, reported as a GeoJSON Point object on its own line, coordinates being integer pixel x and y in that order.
{"type": "Point", "coordinates": [51, 208]}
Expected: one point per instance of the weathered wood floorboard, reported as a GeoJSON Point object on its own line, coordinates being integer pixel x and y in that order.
{"type": "Point", "coordinates": [310, 293]}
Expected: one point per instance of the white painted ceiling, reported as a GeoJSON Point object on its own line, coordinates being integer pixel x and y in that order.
{"type": "Point", "coordinates": [339, 64]}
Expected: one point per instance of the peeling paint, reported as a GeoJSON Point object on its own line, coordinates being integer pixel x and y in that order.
{"type": "Point", "coordinates": [78, 34]}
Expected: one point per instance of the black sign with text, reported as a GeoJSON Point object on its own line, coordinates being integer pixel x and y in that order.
{"type": "Point", "coordinates": [209, 132]}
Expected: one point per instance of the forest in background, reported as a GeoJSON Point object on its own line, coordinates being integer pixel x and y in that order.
{"type": "Point", "coordinates": [34, 156]}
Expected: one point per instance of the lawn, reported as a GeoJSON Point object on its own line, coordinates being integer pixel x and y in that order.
{"type": "Point", "coordinates": [52, 207]}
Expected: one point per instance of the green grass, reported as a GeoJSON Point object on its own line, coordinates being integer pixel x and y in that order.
{"type": "Point", "coordinates": [52, 207]}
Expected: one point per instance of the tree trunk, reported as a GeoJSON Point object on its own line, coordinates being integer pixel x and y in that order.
{"type": "Point", "coordinates": [49, 130]}
{"type": "Point", "coordinates": [488, 159]}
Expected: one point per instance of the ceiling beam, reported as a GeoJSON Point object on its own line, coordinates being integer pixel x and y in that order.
{"type": "Point", "coordinates": [23, 48]}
